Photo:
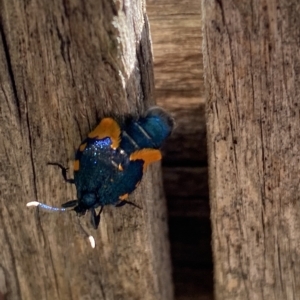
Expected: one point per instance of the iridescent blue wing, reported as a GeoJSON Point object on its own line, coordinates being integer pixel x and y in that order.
{"type": "Point", "coordinates": [149, 131]}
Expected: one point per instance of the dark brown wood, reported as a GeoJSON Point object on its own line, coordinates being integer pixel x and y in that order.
{"type": "Point", "coordinates": [186, 182]}
{"type": "Point", "coordinates": [63, 66]}
{"type": "Point", "coordinates": [251, 63]}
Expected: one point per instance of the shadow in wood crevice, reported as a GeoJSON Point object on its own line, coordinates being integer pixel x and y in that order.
{"type": "Point", "coordinates": [185, 175]}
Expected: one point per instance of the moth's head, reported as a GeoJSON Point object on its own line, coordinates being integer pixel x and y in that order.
{"type": "Point", "coordinates": [80, 210]}
{"type": "Point", "coordinates": [85, 202]}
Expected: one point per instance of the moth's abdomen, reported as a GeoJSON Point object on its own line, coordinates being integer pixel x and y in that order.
{"type": "Point", "coordinates": [147, 132]}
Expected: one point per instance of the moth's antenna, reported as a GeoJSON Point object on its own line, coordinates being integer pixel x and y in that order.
{"type": "Point", "coordinates": [46, 207]}
{"type": "Point", "coordinates": [90, 237]}
{"type": "Point", "coordinates": [49, 208]}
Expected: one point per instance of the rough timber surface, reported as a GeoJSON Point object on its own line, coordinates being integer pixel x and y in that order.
{"type": "Point", "coordinates": [64, 65]}
{"type": "Point", "coordinates": [252, 65]}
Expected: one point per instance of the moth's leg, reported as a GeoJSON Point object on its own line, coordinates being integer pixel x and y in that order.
{"type": "Point", "coordinates": [63, 172]}
{"type": "Point", "coordinates": [95, 218]}
{"type": "Point", "coordinates": [123, 202]}
{"type": "Point", "coordinates": [70, 203]}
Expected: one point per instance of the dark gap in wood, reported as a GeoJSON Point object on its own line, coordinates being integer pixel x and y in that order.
{"type": "Point", "coordinates": [169, 162]}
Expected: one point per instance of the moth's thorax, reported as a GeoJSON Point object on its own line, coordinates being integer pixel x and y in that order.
{"type": "Point", "coordinates": [101, 169]}
{"type": "Point", "coordinates": [87, 201]}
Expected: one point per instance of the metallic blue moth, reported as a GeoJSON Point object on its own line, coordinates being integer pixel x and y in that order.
{"type": "Point", "coordinates": [110, 163]}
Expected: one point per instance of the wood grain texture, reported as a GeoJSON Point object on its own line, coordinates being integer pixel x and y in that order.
{"type": "Point", "coordinates": [251, 63]}
{"type": "Point", "coordinates": [176, 46]}
{"type": "Point", "coordinates": [64, 65]}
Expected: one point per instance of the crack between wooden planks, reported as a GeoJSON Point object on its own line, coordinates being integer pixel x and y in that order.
{"type": "Point", "coordinates": [32, 162]}
{"type": "Point", "coordinates": [30, 146]}
{"type": "Point", "coordinates": [9, 68]}
{"type": "Point", "coordinates": [55, 275]}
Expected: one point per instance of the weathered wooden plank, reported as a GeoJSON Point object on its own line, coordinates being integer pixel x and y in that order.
{"type": "Point", "coordinates": [251, 58]}
{"type": "Point", "coordinates": [63, 66]}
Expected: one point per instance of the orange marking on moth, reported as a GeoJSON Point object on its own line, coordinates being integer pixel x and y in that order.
{"type": "Point", "coordinates": [120, 168]}
{"type": "Point", "coordinates": [123, 197]}
{"type": "Point", "coordinates": [76, 165]}
{"type": "Point", "coordinates": [82, 147]}
{"type": "Point", "coordinates": [108, 127]}
{"type": "Point", "coordinates": [147, 155]}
